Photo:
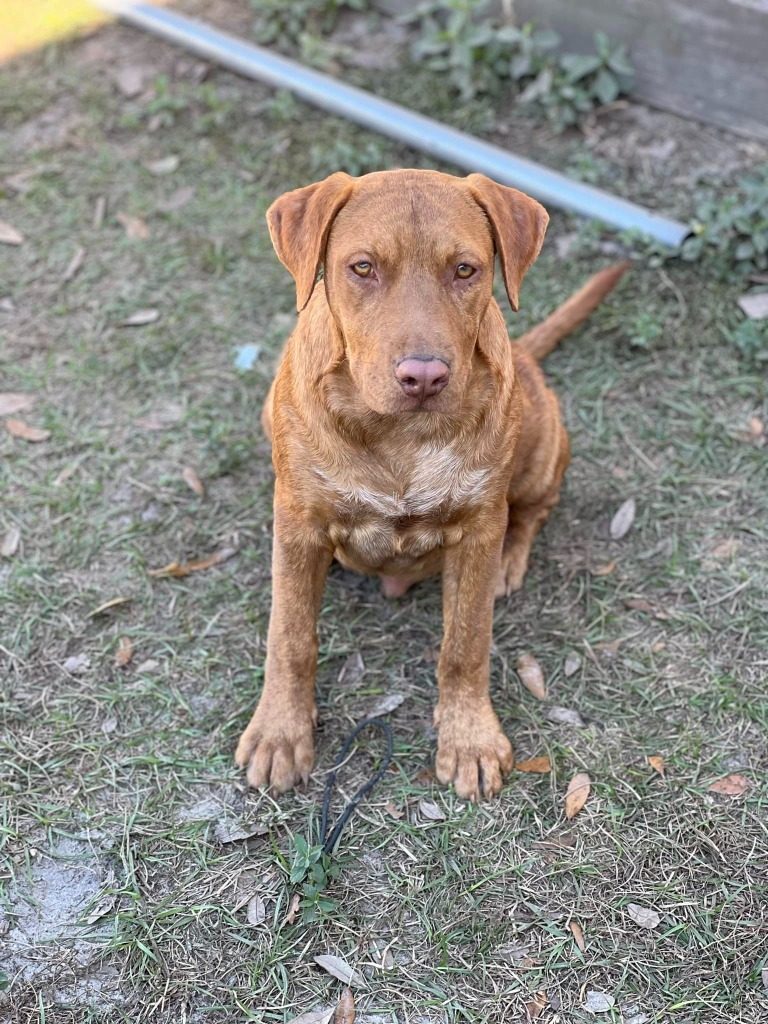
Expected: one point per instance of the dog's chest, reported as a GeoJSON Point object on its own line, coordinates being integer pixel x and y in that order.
{"type": "Point", "coordinates": [394, 517]}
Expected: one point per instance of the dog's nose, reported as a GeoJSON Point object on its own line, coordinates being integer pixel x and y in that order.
{"type": "Point", "coordinates": [422, 376]}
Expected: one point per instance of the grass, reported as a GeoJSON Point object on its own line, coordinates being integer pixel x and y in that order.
{"type": "Point", "coordinates": [119, 776]}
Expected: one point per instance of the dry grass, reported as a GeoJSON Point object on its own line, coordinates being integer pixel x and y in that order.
{"type": "Point", "coordinates": [114, 779]}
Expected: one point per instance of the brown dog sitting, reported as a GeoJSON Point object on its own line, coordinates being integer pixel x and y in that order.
{"type": "Point", "coordinates": [410, 438]}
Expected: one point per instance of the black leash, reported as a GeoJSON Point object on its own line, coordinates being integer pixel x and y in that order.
{"type": "Point", "coordinates": [330, 841]}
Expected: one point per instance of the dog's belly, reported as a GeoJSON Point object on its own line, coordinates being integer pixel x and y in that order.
{"type": "Point", "coordinates": [393, 547]}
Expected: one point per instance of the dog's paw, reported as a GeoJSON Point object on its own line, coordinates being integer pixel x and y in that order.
{"type": "Point", "coordinates": [277, 748]}
{"type": "Point", "coordinates": [472, 751]}
{"type": "Point", "coordinates": [509, 578]}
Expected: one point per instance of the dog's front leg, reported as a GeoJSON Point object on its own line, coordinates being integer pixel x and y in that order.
{"type": "Point", "coordinates": [472, 750]}
{"type": "Point", "coordinates": [277, 745]}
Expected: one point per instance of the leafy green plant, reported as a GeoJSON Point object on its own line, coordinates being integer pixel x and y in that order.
{"type": "Point", "coordinates": [353, 157]}
{"type": "Point", "coordinates": [751, 339]}
{"type": "Point", "coordinates": [284, 24]}
{"type": "Point", "coordinates": [313, 869]}
{"type": "Point", "coordinates": [483, 55]}
{"type": "Point", "coordinates": [645, 329]}
{"type": "Point", "coordinates": [733, 226]}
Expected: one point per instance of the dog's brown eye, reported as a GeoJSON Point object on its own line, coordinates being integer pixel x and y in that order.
{"type": "Point", "coordinates": [464, 271]}
{"type": "Point", "coordinates": [362, 269]}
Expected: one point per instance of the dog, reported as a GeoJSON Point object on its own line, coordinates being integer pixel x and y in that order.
{"type": "Point", "coordinates": [410, 438]}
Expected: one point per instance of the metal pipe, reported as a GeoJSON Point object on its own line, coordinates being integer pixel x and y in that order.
{"type": "Point", "coordinates": [397, 122]}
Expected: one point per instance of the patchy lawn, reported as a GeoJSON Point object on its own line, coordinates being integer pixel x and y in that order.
{"type": "Point", "coordinates": [119, 901]}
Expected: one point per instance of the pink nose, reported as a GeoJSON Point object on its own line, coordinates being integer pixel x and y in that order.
{"type": "Point", "coordinates": [422, 376]}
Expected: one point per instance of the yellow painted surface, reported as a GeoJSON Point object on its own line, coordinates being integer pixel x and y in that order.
{"type": "Point", "coordinates": [26, 24]}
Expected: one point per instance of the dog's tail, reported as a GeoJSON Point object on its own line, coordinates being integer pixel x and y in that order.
{"type": "Point", "coordinates": [542, 338]}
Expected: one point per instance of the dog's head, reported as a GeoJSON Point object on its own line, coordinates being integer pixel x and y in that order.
{"type": "Point", "coordinates": [408, 260]}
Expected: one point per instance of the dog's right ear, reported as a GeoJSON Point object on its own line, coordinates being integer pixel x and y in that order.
{"type": "Point", "coordinates": [299, 225]}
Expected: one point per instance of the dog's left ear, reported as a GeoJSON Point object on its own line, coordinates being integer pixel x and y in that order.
{"type": "Point", "coordinates": [299, 225]}
{"type": "Point", "coordinates": [518, 224]}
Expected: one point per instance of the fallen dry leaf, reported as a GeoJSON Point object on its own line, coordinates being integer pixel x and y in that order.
{"type": "Point", "coordinates": [726, 548]}
{"type": "Point", "coordinates": [14, 401]}
{"type": "Point", "coordinates": [756, 428]}
{"type": "Point", "coordinates": [645, 917]}
{"type": "Point", "coordinates": [166, 165]}
{"type": "Point", "coordinates": [604, 570]}
{"type": "Point", "coordinates": [229, 830]}
{"type": "Point", "coordinates": [352, 669]}
{"type": "Point", "coordinates": [572, 664]}
{"type": "Point", "coordinates": [130, 80]}
{"type": "Point", "coordinates": [566, 716]}
{"type": "Point", "coordinates": [140, 318]}
{"type": "Point", "coordinates": [386, 705]}
{"type": "Point", "coordinates": [101, 908]}
{"type": "Point", "coordinates": [109, 725]}
{"type": "Point", "coordinates": [9, 235]}
{"type": "Point", "coordinates": [576, 795]}
{"type": "Point", "coordinates": [598, 1002]}
{"type": "Point", "coordinates": [623, 519]}
{"type": "Point", "coordinates": [20, 429]}
{"type": "Point", "coordinates": [163, 416]}
{"type": "Point", "coordinates": [345, 1011]}
{"type": "Point", "coordinates": [293, 909]}
{"type": "Point", "coordinates": [313, 1016]}
{"type": "Point", "coordinates": [124, 653]}
{"type": "Point", "coordinates": [578, 935]}
{"type": "Point", "coordinates": [531, 676]}
{"type": "Point", "coordinates": [256, 913]}
{"type": "Point", "coordinates": [193, 481]}
{"type": "Point", "coordinates": [536, 1005]}
{"type": "Point", "coordinates": [429, 810]}
{"type": "Point", "coordinates": [657, 763]}
{"type": "Point", "coordinates": [340, 969]}
{"type": "Point", "coordinates": [135, 227]}
{"type": "Point", "coordinates": [764, 977]}
{"type": "Point", "coordinates": [74, 265]}
{"type": "Point", "coordinates": [639, 604]}
{"type": "Point", "coordinates": [177, 200]}
{"type": "Point", "coordinates": [76, 664]}
{"type": "Point", "coordinates": [178, 570]}
{"type": "Point", "coordinates": [148, 666]}
{"type": "Point", "coordinates": [754, 305]}
{"type": "Point", "coordinates": [535, 765]}
{"type": "Point", "coordinates": [393, 811]}
{"type": "Point", "coordinates": [11, 542]}
{"type": "Point", "coordinates": [114, 602]}
{"type": "Point", "coordinates": [731, 785]}
{"type": "Point", "coordinates": [610, 647]}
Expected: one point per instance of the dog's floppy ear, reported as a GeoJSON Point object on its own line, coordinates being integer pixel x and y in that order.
{"type": "Point", "coordinates": [518, 224]}
{"type": "Point", "coordinates": [299, 224]}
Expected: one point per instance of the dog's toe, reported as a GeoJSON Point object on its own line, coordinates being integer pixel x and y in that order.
{"type": "Point", "coordinates": [276, 755]}
{"type": "Point", "coordinates": [473, 753]}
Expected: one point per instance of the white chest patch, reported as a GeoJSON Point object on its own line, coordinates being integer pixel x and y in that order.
{"type": "Point", "coordinates": [437, 479]}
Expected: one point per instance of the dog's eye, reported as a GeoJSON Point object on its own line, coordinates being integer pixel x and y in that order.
{"type": "Point", "coordinates": [464, 271]}
{"type": "Point", "coordinates": [363, 268]}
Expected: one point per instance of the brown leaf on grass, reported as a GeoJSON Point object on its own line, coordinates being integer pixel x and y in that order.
{"type": "Point", "coordinates": [229, 830]}
{"type": "Point", "coordinates": [623, 519]}
{"type": "Point", "coordinates": [114, 602]}
{"type": "Point", "coordinates": [429, 810]}
{"type": "Point", "coordinates": [293, 909]}
{"type": "Point", "coordinates": [639, 604]}
{"type": "Point", "coordinates": [14, 401]}
{"type": "Point", "coordinates": [754, 305]}
{"type": "Point", "coordinates": [535, 766]}
{"type": "Point", "coordinates": [576, 795]}
{"type": "Point", "coordinates": [756, 429]}
{"type": "Point", "coordinates": [177, 200]}
{"type": "Point", "coordinates": [604, 570]}
{"type": "Point", "coordinates": [140, 318]}
{"type": "Point", "coordinates": [135, 227]}
{"type": "Point", "coordinates": [610, 647]}
{"type": "Point", "coordinates": [179, 570]}
{"type": "Point", "coordinates": [313, 1017]}
{"type": "Point", "coordinates": [657, 763]}
{"type": "Point", "coordinates": [345, 1010]}
{"type": "Point", "coordinates": [645, 917]}
{"type": "Point", "coordinates": [11, 541]}
{"type": "Point", "coordinates": [531, 676]}
{"type": "Point", "coordinates": [256, 913]}
{"type": "Point", "coordinates": [566, 716]}
{"type": "Point", "coordinates": [20, 429]}
{"type": "Point", "coordinates": [726, 549]}
{"type": "Point", "coordinates": [572, 664]}
{"type": "Point", "coordinates": [393, 811]}
{"type": "Point", "coordinates": [536, 1005]}
{"type": "Point", "coordinates": [386, 705]}
{"type": "Point", "coordinates": [340, 969]}
{"type": "Point", "coordinates": [74, 265]}
{"type": "Point", "coordinates": [578, 935]}
{"type": "Point", "coordinates": [124, 653]}
{"type": "Point", "coordinates": [731, 785]}
{"type": "Point", "coordinates": [165, 165]}
{"type": "Point", "coordinates": [352, 669]}
{"type": "Point", "coordinates": [9, 235]}
{"type": "Point", "coordinates": [193, 481]}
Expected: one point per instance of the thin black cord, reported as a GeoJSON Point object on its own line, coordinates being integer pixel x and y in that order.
{"type": "Point", "coordinates": [330, 842]}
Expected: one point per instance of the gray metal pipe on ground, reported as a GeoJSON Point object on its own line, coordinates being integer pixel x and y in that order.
{"type": "Point", "coordinates": [397, 122]}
